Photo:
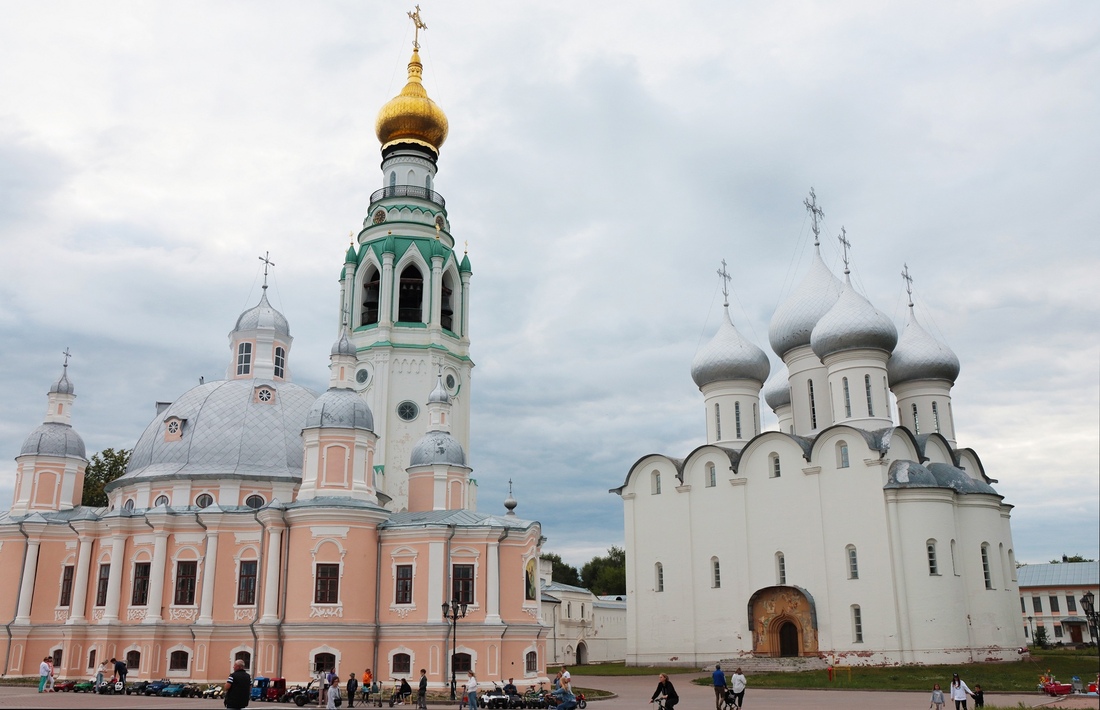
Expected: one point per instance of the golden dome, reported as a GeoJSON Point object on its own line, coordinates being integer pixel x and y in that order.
{"type": "Point", "coordinates": [412, 117]}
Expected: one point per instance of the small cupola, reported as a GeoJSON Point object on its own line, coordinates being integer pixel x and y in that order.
{"type": "Point", "coordinates": [260, 341]}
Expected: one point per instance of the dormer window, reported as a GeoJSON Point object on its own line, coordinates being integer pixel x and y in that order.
{"type": "Point", "coordinates": [265, 395]}
{"type": "Point", "coordinates": [280, 362]}
{"type": "Point", "coordinates": [173, 428]}
{"type": "Point", "coordinates": [205, 500]}
{"type": "Point", "coordinates": [244, 358]}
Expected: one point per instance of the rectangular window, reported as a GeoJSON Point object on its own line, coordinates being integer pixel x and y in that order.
{"type": "Point", "coordinates": [847, 400]}
{"type": "Point", "coordinates": [244, 358]}
{"type": "Point", "coordinates": [737, 418]}
{"type": "Point", "coordinates": [101, 585]}
{"type": "Point", "coordinates": [1053, 604]}
{"type": "Point", "coordinates": [857, 625]}
{"type": "Point", "coordinates": [717, 422]}
{"type": "Point", "coordinates": [280, 362]}
{"type": "Point", "coordinates": [404, 591]}
{"type": "Point", "coordinates": [776, 469]}
{"type": "Point", "coordinates": [246, 583]}
{"type": "Point", "coordinates": [66, 586]}
{"type": "Point", "coordinates": [1057, 631]}
{"type": "Point", "coordinates": [462, 577]}
{"type": "Point", "coordinates": [870, 401]}
{"type": "Point", "coordinates": [140, 595]}
{"type": "Point", "coordinates": [327, 590]}
{"type": "Point", "coordinates": [1071, 604]}
{"type": "Point", "coordinates": [1023, 606]}
{"type": "Point", "coordinates": [186, 573]}
{"type": "Point", "coordinates": [813, 407]}
{"type": "Point", "coordinates": [853, 565]}
{"type": "Point", "coordinates": [933, 565]}
{"type": "Point", "coordinates": [1037, 605]}
{"type": "Point", "coordinates": [986, 572]}
{"type": "Point", "coordinates": [712, 478]}
{"type": "Point", "coordinates": [936, 417]}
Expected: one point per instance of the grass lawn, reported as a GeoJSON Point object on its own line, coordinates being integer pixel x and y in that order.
{"type": "Point", "coordinates": [622, 669]}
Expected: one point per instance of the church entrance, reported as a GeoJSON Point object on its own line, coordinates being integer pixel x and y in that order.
{"type": "Point", "coordinates": [784, 622]}
{"type": "Point", "coordinates": [582, 654]}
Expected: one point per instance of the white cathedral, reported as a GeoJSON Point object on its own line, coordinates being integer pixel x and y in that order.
{"type": "Point", "coordinates": [842, 535]}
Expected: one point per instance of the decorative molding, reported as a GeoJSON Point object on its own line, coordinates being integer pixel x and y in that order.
{"type": "Point", "coordinates": [192, 538]}
{"type": "Point", "coordinates": [243, 537]}
{"type": "Point", "coordinates": [143, 539]}
{"type": "Point", "coordinates": [532, 611]}
{"type": "Point", "coordinates": [812, 470]}
{"type": "Point", "coordinates": [61, 615]}
{"type": "Point", "coordinates": [184, 614]}
{"type": "Point", "coordinates": [402, 610]}
{"type": "Point", "coordinates": [739, 481]}
{"type": "Point", "coordinates": [137, 614]}
{"type": "Point", "coordinates": [245, 614]}
{"type": "Point", "coordinates": [340, 531]}
{"type": "Point", "coordinates": [97, 614]}
{"type": "Point", "coordinates": [326, 611]}
{"type": "Point", "coordinates": [70, 544]}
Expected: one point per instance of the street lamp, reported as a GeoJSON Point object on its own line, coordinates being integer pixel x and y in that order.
{"type": "Point", "coordinates": [452, 612]}
{"type": "Point", "coordinates": [1031, 630]}
{"type": "Point", "coordinates": [1088, 606]}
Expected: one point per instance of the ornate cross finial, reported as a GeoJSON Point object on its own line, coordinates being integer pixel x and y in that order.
{"type": "Point", "coordinates": [845, 245]}
{"type": "Point", "coordinates": [816, 213]}
{"type": "Point", "coordinates": [466, 247]}
{"type": "Point", "coordinates": [418, 24]}
{"type": "Point", "coordinates": [725, 276]}
{"type": "Point", "coordinates": [67, 355]}
{"type": "Point", "coordinates": [266, 258]}
{"type": "Point", "coordinates": [908, 283]}
{"type": "Point", "coordinates": [351, 237]}
{"type": "Point", "coordinates": [344, 316]}
{"type": "Point", "coordinates": [509, 487]}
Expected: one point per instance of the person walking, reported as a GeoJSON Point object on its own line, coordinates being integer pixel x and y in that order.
{"type": "Point", "coordinates": [737, 685]}
{"type": "Point", "coordinates": [937, 698]}
{"type": "Point", "coordinates": [43, 674]}
{"type": "Point", "coordinates": [718, 678]}
{"type": "Point", "coordinates": [959, 691]}
{"type": "Point", "coordinates": [238, 687]}
{"type": "Point", "coordinates": [422, 691]}
{"type": "Point", "coordinates": [352, 686]}
{"type": "Point", "coordinates": [665, 689]}
{"type": "Point", "coordinates": [333, 693]}
{"type": "Point", "coordinates": [471, 691]}
{"type": "Point", "coordinates": [979, 696]}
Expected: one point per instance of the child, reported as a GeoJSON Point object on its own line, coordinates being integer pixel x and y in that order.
{"type": "Point", "coordinates": [937, 697]}
{"type": "Point", "coordinates": [979, 696]}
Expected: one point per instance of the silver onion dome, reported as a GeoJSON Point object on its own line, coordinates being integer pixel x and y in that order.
{"type": "Point", "coordinates": [343, 345]}
{"type": "Point", "coordinates": [263, 316]}
{"type": "Point", "coordinates": [794, 320]}
{"type": "Point", "coordinates": [439, 393]}
{"type": "Point", "coordinates": [919, 356]}
{"type": "Point", "coordinates": [342, 408]}
{"type": "Point", "coordinates": [54, 439]}
{"type": "Point", "coordinates": [853, 323]}
{"type": "Point", "coordinates": [63, 385]}
{"type": "Point", "coordinates": [437, 447]}
{"type": "Point", "coordinates": [728, 356]}
{"type": "Point", "coordinates": [777, 393]}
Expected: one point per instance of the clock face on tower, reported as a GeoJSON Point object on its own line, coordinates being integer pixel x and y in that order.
{"type": "Point", "coordinates": [379, 216]}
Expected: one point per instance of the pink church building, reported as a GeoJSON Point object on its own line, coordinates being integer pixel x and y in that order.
{"type": "Point", "coordinates": [259, 520]}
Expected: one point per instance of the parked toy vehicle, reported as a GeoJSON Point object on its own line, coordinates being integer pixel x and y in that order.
{"type": "Point", "coordinates": [213, 691]}
{"type": "Point", "coordinates": [259, 687]}
{"type": "Point", "coordinates": [173, 690]}
{"type": "Point", "coordinates": [84, 686]}
{"type": "Point", "coordinates": [276, 690]}
{"type": "Point", "coordinates": [494, 698]}
{"type": "Point", "coordinates": [64, 686]}
{"type": "Point", "coordinates": [137, 688]}
{"type": "Point", "coordinates": [112, 688]}
{"type": "Point", "coordinates": [154, 687]}
{"type": "Point", "coordinates": [301, 695]}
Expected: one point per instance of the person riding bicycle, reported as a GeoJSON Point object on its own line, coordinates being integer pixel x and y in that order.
{"type": "Point", "coordinates": [666, 689]}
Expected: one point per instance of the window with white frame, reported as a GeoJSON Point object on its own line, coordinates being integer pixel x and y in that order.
{"type": "Point", "coordinates": [774, 467]}
{"type": "Point", "coordinates": [737, 418]}
{"type": "Point", "coordinates": [715, 573]}
{"type": "Point", "coordinates": [327, 584]}
{"type": "Point", "coordinates": [244, 358]}
{"type": "Point", "coordinates": [659, 572]}
{"type": "Point", "coordinates": [987, 573]}
{"type": "Point", "coordinates": [780, 568]}
{"type": "Point", "coordinates": [936, 417]}
{"type": "Point", "coordinates": [842, 454]}
{"type": "Point", "coordinates": [847, 398]}
{"type": "Point", "coordinates": [717, 422]}
{"type": "Point", "coordinates": [531, 662]}
{"type": "Point", "coordinates": [916, 420]}
{"type": "Point", "coordinates": [813, 405]}
{"type": "Point", "coordinates": [853, 562]}
{"type": "Point", "coordinates": [462, 588]}
{"type": "Point", "coordinates": [954, 564]}
{"type": "Point", "coordinates": [178, 660]}
{"type": "Point", "coordinates": [655, 482]}
{"type": "Point", "coordinates": [712, 476]}
{"type": "Point", "coordinates": [933, 564]}
{"type": "Point", "coordinates": [280, 362]}
{"type": "Point", "coordinates": [857, 624]}
{"type": "Point", "coordinates": [870, 401]}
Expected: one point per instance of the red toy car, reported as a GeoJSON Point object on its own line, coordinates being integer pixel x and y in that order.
{"type": "Point", "coordinates": [64, 686]}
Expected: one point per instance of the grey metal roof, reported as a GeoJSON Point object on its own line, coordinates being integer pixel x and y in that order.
{"type": "Point", "coordinates": [728, 356]}
{"type": "Point", "coordinates": [437, 447]}
{"type": "Point", "coordinates": [777, 393]}
{"type": "Point", "coordinates": [794, 320]}
{"type": "Point", "coordinates": [54, 439]}
{"type": "Point", "coordinates": [63, 385]}
{"type": "Point", "coordinates": [910, 474]}
{"type": "Point", "coordinates": [459, 518]}
{"type": "Point", "coordinates": [1069, 574]}
{"type": "Point", "coordinates": [560, 587]}
{"type": "Point", "coordinates": [263, 315]}
{"type": "Point", "coordinates": [852, 323]}
{"type": "Point", "coordinates": [919, 356]}
{"type": "Point", "coordinates": [343, 345]}
{"type": "Point", "coordinates": [341, 408]}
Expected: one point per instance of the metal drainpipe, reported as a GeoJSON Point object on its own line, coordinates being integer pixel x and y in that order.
{"type": "Point", "coordinates": [447, 578]}
{"type": "Point", "coordinates": [259, 587]}
{"type": "Point", "coordinates": [285, 578]}
{"type": "Point", "coordinates": [15, 612]}
{"type": "Point", "coordinates": [191, 627]}
{"type": "Point", "coordinates": [377, 598]}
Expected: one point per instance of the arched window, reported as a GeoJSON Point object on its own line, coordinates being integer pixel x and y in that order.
{"type": "Point", "coordinates": [841, 454]}
{"type": "Point", "coordinates": [936, 417]}
{"type": "Point", "coordinates": [402, 663]}
{"type": "Point", "coordinates": [410, 296]}
{"type": "Point", "coordinates": [847, 399]}
{"type": "Point", "coordinates": [870, 401]}
{"type": "Point", "coordinates": [161, 500]}
{"type": "Point", "coordinates": [986, 572]}
{"type": "Point", "coordinates": [569, 610]}
{"type": "Point", "coordinates": [954, 566]}
{"type": "Point", "coordinates": [780, 568]}
{"type": "Point", "coordinates": [1012, 564]}
{"type": "Point", "coordinates": [446, 304]}
{"type": "Point", "coordinates": [244, 656]}
{"type": "Point", "coordinates": [717, 422]}
{"type": "Point", "coordinates": [428, 181]}
{"type": "Point", "coordinates": [205, 500]}
{"type": "Point", "coordinates": [857, 624]}
{"type": "Point", "coordinates": [737, 418]}
{"type": "Point", "coordinates": [133, 660]}
{"type": "Point", "coordinates": [531, 662]}
{"type": "Point", "coordinates": [715, 573]}
{"type": "Point", "coordinates": [177, 661]}
{"type": "Point", "coordinates": [916, 419]}
{"type": "Point", "coordinates": [656, 482]}
{"type": "Point", "coordinates": [853, 563]}
{"type": "Point", "coordinates": [244, 358]}
{"type": "Point", "coordinates": [393, 180]}
{"type": "Point", "coordinates": [582, 610]}
{"type": "Point", "coordinates": [462, 663]}
{"type": "Point", "coordinates": [254, 501]}
{"type": "Point", "coordinates": [813, 407]}
{"type": "Point", "coordinates": [91, 659]}
{"type": "Point", "coordinates": [659, 571]}
{"type": "Point", "coordinates": [774, 468]}
{"type": "Point", "coordinates": [372, 286]}
{"type": "Point", "coordinates": [324, 662]}
{"type": "Point", "coordinates": [712, 476]}
{"type": "Point", "coordinates": [128, 505]}
{"type": "Point", "coordinates": [280, 362]}
{"type": "Point", "coordinates": [933, 564]}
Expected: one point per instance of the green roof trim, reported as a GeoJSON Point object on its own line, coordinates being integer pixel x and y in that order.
{"type": "Point", "coordinates": [414, 346]}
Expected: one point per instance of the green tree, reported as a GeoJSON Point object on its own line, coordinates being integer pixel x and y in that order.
{"type": "Point", "coordinates": [563, 572]}
{"type": "Point", "coordinates": [606, 574]}
{"type": "Point", "coordinates": [1041, 636]}
{"type": "Point", "coordinates": [1071, 558]}
{"type": "Point", "coordinates": [104, 467]}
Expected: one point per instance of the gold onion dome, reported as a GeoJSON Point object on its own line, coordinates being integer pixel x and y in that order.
{"type": "Point", "coordinates": [412, 117]}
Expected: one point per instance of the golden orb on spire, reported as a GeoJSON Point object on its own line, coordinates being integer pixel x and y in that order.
{"type": "Point", "coordinates": [412, 117]}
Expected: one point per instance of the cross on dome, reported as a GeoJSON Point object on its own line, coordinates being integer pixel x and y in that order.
{"type": "Point", "coordinates": [845, 245]}
{"type": "Point", "coordinates": [908, 283]}
{"type": "Point", "coordinates": [266, 258]}
{"type": "Point", "coordinates": [816, 213]}
{"type": "Point", "coordinates": [418, 25]}
{"type": "Point", "coordinates": [725, 276]}
{"type": "Point", "coordinates": [67, 355]}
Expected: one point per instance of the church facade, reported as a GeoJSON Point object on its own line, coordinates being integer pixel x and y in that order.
{"type": "Point", "coordinates": [297, 531]}
{"type": "Point", "coordinates": [843, 535]}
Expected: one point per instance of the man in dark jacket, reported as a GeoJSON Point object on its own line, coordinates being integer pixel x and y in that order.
{"type": "Point", "coordinates": [238, 688]}
{"type": "Point", "coordinates": [353, 685]}
{"type": "Point", "coordinates": [422, 691]}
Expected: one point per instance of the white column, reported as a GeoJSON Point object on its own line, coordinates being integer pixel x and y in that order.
{"type": "Point", "coordinates": [80, 584]}
{"type": "Point", "coordinates": [386, 287]}
{"type": "Point", "coordinates": [271, 577]}
{"type": "Point", "coordinates": [436, 293]}
{"type": "Point", "coordinates": [26, 586]}
{"type": "Point", "coordinates": [492, 585]}
{"type": "Point", "coordinates": [206, 604]}
{"type": "Point", "coordinates": [114, 580]}
{"type": "Point", "coordinates": [156, 578]}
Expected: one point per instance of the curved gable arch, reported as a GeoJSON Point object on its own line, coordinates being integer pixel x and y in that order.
{"type": "Point", "coordinates": [903, 445]}
{"type": "Point", "coordinates": [762, 445]}
{"type": "Point", "coordinates": [938, 450]}
{"type": "Point", "coordinates": [645, 464]}
{"type": "Point", "coordinates": [969, 461]}
{"type": "Point", "coordinates": [725, 460]}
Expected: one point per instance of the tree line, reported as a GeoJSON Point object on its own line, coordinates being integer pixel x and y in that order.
{"type": "Point", "coordinates": [602, 575]}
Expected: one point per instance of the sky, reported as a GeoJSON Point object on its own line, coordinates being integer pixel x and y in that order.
{"type": "Point", "coordinates": [603, 159]}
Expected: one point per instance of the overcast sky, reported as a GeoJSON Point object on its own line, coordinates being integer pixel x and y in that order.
{"type": "Point", "coordinates": [603, 159]}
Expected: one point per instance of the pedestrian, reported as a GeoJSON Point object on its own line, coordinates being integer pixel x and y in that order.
{"type": "Point", "coordinates": [979, 696]}
{"type": "Point", "coordinates": [99, 673]}
{"type": "Point", "coordinates": [937, 698]}
{"type": "Point", "coordinates": [737, 685]}
{"type": "Point", "coordinates": [120, 670]}
{"type": "Point", "coordinates": [50, 678]}
{"type": "Point", "coordinates": [666, 691]}
{"type": "Point", "coordinates": [565, 677]}
{"type": "Point", "coordinates": [333, 693]}
{"type": "Point", "coordinates": [43, 674]}
{"type": "Point", "coordinates": [959, 691]}
{"type": "Point", "coordinates": [352, 686]}
{"type": "Point", "coordinates": [471, 691]}
{"type": "Point", "coordinates": [238, 687]}
{"type": "Point", "coordinates": [718, 678]}
{"type": "Point", "coordinates": [422, 691]}
{"type": "Point", "coordinates": [368, 687]}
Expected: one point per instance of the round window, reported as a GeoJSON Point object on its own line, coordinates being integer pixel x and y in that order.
{"type": "Point", "coordinates": [205, 500]}
{"type": "Point", "coordinates": [161, 500]}
{"type": "Point", "coordinates": [173, 427]}
{"type": "Point", "coordinates": [128, 505]}
{"type": "Point", "coordinates": [264, 395]}
{"type": "Point", "coordinates": [407, 410]}
{"type": "Point", "coordinates": [362, 376]}
{"type": "Point", "coordinates": [254, 501]}
{"type": "Point", "coordinates": [450, 382]}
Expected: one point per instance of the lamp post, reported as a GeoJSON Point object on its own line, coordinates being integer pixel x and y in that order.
{"type": "Point", "coordinates": [1088, 606]}
{"type": "Point", "coordinates": [452, 612]}
{"type": "Point", "coordinates": [1031, 630]}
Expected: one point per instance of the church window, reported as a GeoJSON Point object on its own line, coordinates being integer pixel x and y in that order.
{"type": "Point", "coordinates": [1054, 604]}
{"type": "Point", "coordinates": [847, 399]}
{"type": "Point", "coordinates": [582, 610]}
{"type": "Point", "coordinates": [656, 483]}
{"type": "Point", "coordinates": [1037, 605]}
{"type": "Point", "coordinates": [813, 407]}
{"type": "Point", "coordinates": [737, 418]}
{"type": "Point", "coordinates": [462, 587]}
{"type": "Point", "coordinates": [372, 287]}
{"type": "Point", "coordinates": [936, 417]}
{"type": "Point", "coordinates": [403, 594]}
{"type": "Point", "coordinates": [1071, 604]}
{"type": "Point", "coordinates": [161, 500]}
{"type": "Point", "coordinates": [987, 573]}
{"type": "Point", "coordinates": [246, 583]}
{"type": "Point", "coordinates": [857, 624]}
{"type": "Point", "coordinates": [244, 657]}
{"type": "Point", "coordinates": [244, 358]}
{"type": "Point", "coordinates": [393, 181]}
{"type": "Point", "coordinates": [133, 659]}
{"type": "Point", "coordinates": [916, 420]}
{"type": "Point", "coordinates": [531, 663]}
{"type": "Point", "coordinates": [780, 568]}
{"type": "Point", "coordinates": [254, 501]}
{"type": "Point", "coordinates": [204, 501]}
{"type": "Point", "coordinates": [870, 401]}
{"type": "Point", "coordinates": [91, 659]}
{"type": "Point", "coordinates": [446, 304]}
{"type": "Point", "coordinates": [324, 662]}
{"type": "Point", "coordinates": [408, 410]}
{"type": "Point", "coordinates": [954, 565]}
{"type": "Point", "coordinates": [775, 469]}
{"type": "Point", "coordinates": [101, 585]}
{"type": "Point", "coordinates": [712, 476]}
{"type": "Point", "coordinates": [715, 573]}
{"type": "Point", "coordinates": [280, 362]}
{"type": "Point", "coordinates": [410, 296]}
{"type": "Point", "coordinates": [326, 589]}
{"type": "Point", "coordinates": [66, 598]}
{"type": "Point", "coordinates": [1023, 605]}
{"type": "Point", "coordinates": [933, 565]}
{"type": "Point", "coordinates": [717, 421]}
{"type": "Point", "coordinates": [659, 570]}
{"type": "Point", "coordinates": [128, 505]}
{"type": "Point", "coordinates": [462, 663]}
{"type": "Point", "coordinates": [755, 420]}
{"type": "Point", "coordinates": [569, 610]}
{"type": "Point", "coordinates": [841, 454]}
{"type": "Point", "coordinates": [178, 660]}
{"type": "Point", "coordinates": [428, 181]}
{"type": "Point", "coordinates": [186, 575]}
{"type": "Point", "coordinates": [853, 562]}
{"type": "Point", "coordinates": [402, 663]}
{"type": "Point", "coordinates": [140, 594]}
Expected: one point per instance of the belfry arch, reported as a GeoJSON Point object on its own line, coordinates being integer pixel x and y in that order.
{"type": "Point", "coordinates": [783, 621]}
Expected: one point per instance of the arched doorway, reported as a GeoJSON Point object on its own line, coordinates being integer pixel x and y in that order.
{"type": "Point", "coordinates": [783, 621]}
{"type": "Point", "coordinates": [788, 639]}
{"type": "Point", "coordinates": [582, 654]}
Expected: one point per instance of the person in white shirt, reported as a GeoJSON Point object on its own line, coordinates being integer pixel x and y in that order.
{"type": "Point", "coordinates": [959, 691]}
{"type": "Point", "coordinates": [471, 691]}
{"type": "Point", "coordinates": [333, 693]}
{"type": "Point", "coordinates": [737, 683]}
{"type": "Point", "coordinates": [43, 674]}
